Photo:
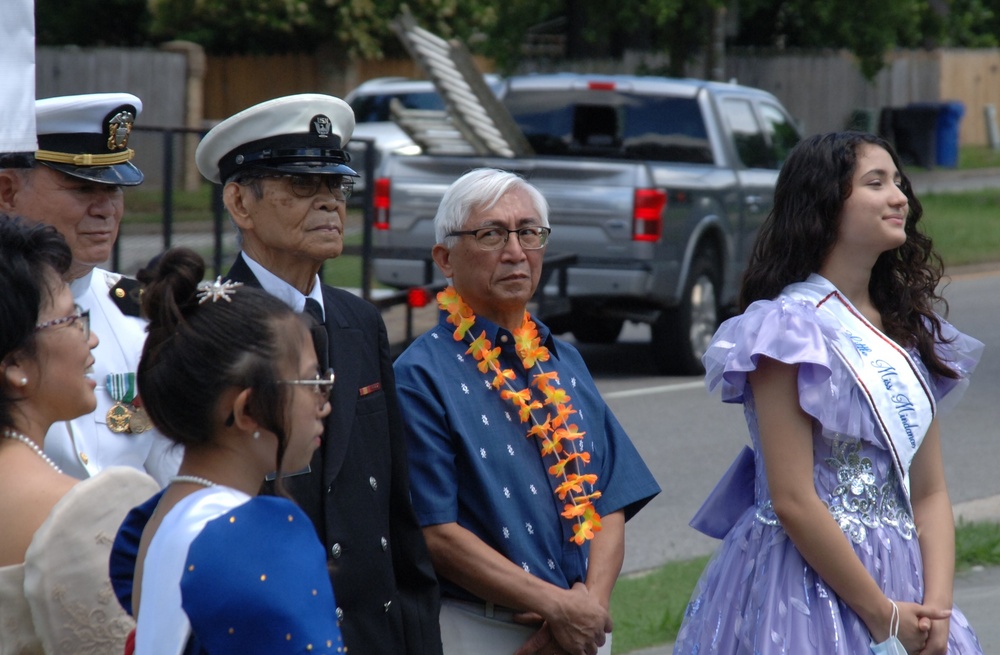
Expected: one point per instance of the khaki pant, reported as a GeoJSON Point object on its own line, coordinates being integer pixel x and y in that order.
{"type": "Point", "coordinates": [467, 630]}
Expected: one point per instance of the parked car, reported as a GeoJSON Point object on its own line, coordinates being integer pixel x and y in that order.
{"type": "Point", "coordinates": [373, 121]}
{"type": "Point", "coordinates": [657, 185]}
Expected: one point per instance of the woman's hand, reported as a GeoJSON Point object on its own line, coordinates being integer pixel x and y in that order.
{"type": "Point", "coordinates": [915, 625]}
{"type": "Point", "coordinates": [937, 641]}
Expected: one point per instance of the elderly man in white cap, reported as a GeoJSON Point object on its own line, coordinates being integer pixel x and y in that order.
{"type": "Point", "coordinates": [286, 183]}
{"type": "Point", "coordinates": [74, 183]}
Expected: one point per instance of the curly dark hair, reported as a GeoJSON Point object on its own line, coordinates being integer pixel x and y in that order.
{"type": "Point", "coordinates": [32, 257]}
{"type": "Point", "coordinates": [801, 230]}
{"type": "Point", "coordinates": [194, 351]}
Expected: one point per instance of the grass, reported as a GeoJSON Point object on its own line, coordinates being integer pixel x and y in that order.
{"type": "Point", "coordinates": [965, 226]}
{"type": "Point", "coordinates": [344, 271]}
{"type": "Point", "coordinates": [977, 544]}
{"type": "Point", "coordinates": [648, 608]}
{"type": "Point", "coordinates": [145, 204]}
{"type": "Point", "coordinates": [978, 157]}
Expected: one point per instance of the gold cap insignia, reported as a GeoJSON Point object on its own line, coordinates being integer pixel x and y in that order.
{"type": "Point", "coordinates": [119, 129]}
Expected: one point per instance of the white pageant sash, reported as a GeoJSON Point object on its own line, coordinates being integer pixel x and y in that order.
{"type": "Point", "coordinates": [899, 397]}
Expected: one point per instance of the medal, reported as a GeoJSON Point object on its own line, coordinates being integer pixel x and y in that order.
{"type": "Point", "coordinates": [140, 421]}
{"type": "Point", "coordinates": [121, 387]}
{"type": "Point", "coordinates": [119, 417]}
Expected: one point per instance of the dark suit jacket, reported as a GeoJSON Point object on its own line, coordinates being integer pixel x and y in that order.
{"type": "Point", "coordinates": [357, 493]}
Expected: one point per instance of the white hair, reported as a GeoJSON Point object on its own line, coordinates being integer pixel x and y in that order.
{"type": "Point", "coordinates": [480, 190]}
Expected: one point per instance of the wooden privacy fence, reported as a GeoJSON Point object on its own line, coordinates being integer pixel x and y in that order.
{"type": "Point", "coordinates": [235, 83]}
{"type": "Point", "coordinates": [822, 90]}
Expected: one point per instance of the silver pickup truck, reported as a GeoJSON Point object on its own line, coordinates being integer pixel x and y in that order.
{"type": "Point", "coordinates": [657, 186]}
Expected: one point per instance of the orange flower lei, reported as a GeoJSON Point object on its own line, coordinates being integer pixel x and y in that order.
{"type": "Point", "coordinates": [555, 429]}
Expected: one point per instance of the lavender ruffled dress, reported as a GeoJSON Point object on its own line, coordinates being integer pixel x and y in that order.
{"type": "Point", "coordinates": [757, 595]}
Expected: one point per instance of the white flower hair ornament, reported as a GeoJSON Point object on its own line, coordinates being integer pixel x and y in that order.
{"type": "Point", "coordinates": [217, 290]}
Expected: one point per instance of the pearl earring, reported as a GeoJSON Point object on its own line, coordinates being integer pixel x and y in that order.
{"type": "Point", "coordinates": [23, 382]}
{"type": "Point", "coordinates": [256, 434]}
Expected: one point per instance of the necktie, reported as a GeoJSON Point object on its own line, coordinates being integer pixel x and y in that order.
{"type": "Point", "coordinates": [318, 331]}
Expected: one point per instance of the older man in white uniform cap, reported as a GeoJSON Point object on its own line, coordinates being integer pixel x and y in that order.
{"type": "Point", "coordinates": [286, 180]}
{"type": "Point", "coordinates": [74, 182]}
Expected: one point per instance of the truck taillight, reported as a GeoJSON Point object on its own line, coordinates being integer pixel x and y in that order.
{"type": "Point", "coordinates": [418, 297]}
{"type": "Point", "coordinates": [381, 202]}
{"type": "Point", "coordinates": [647, 216]}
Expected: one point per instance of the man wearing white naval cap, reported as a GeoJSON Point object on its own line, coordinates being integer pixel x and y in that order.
{"type": "Point", "coordinates": [286, 183]}
{"type": "Point", "coordinates": [74, 182]}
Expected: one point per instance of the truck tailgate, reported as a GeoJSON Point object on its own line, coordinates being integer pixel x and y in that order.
{"type": "Point", "coordinates": [590, 200]}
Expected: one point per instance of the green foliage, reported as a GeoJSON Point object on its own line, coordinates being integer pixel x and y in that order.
{"type": "Point", "coordinates": [682, 28]}
{"type": "Point", "coordinates": [973, 24]}
{"type": "Point", "coordinates": [358, 28]}
{"type": "Point", "coordinates": [868, 30]}
{"type": "Point", "coordinates": [92, 22]}
{"type": "Point", "coordinates": [599, 29]}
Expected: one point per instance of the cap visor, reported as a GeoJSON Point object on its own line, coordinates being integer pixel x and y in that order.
{"type": "Point", "coordinates": [119, 174]}
{"type": "Point", "coordinates": [313, 168]}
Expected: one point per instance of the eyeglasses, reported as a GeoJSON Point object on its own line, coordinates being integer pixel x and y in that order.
{"type": "Point", "coordinates": [79, 314]}
{"type": "Point", "coordinates": [307, 186]}
{"type": "Point", "coordinates": [321, 384]}
{"type": "Point", "coordinates": [495, 238]}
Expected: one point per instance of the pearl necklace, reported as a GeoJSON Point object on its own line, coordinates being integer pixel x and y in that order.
{"type": "Point", "coordinates": [193, 479]}
{"type": "Point", "coordinates": [17, 436]}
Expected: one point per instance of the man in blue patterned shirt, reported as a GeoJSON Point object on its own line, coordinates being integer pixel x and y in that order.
{"type": "Point", "coordinates": [521, 476]}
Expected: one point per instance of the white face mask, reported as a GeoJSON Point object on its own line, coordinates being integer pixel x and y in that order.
{"type": "Point", "coordinates": [892, 645]}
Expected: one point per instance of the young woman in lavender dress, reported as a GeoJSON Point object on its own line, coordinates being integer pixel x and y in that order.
{"type": "Point", "coordinates": [847, 543]}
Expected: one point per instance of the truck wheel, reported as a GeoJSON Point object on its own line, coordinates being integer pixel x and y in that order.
{"type": "Point", "coordinates": [592, 329]}
{"type": "Point", "coordinates": [682, 334]}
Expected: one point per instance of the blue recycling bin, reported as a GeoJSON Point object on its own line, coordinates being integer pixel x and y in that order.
{"type": "Point", "coordinates": [948, 121]}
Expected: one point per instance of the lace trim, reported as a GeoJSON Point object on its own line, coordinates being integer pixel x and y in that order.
{"type": "Point", "coordinates": [857, 503]}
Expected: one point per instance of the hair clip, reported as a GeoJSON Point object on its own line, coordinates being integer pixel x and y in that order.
{"type": "Point", "coordinates": [217, 290]}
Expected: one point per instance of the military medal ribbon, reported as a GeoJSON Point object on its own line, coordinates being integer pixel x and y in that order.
{"type": "Point", "coordinates": [121, 388]}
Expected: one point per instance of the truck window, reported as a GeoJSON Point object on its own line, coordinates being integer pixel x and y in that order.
{"type": "Point", "coordinates": [783, 133]}
{"type": "Point", "coordinates": [599, 123]}
{"type": "Point", "coordinates": [375, 108]}
{"type": "Point", "coordinates": [751, 145]}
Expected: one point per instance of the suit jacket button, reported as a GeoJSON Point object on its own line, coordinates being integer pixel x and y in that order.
{"type": "Point", "coordinates": [335, 551]}
{"type": "Point", "coordinates": [385, 543]}
{"type": "Point", "coordinates": [373, 482]}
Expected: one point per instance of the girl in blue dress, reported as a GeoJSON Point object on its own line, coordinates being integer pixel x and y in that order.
{"type": "Point", "coordinates": [208, 566]}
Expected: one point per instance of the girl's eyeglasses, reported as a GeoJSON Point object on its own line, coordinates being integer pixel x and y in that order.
{"type": "Point", "coordinates": [321, 384]}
